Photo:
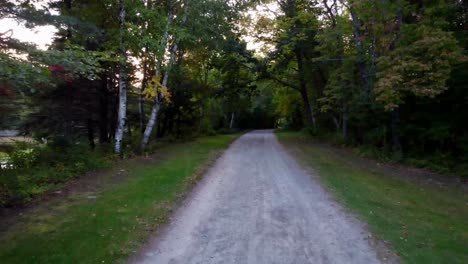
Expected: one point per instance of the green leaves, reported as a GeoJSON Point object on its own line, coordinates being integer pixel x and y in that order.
{"type": "Point", "coordinates": [33, 74]}
{"type": "Point", "coordinates": [23, 77]}
{"type": "Point", "coordinates": [420, 66]}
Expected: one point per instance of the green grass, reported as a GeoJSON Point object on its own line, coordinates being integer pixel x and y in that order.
{"type": "Point", "coordinates": [109, 228]}
{"type": "Point", "coordinates": [424, 223]}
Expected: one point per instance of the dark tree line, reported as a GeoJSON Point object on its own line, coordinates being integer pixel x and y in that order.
{"type": "Point", "coordinates": [389, 74]}
{"type": "Point", "coordinates": [124, 72]}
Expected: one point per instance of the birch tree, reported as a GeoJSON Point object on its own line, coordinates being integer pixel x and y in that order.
{"type": "Point", "coordinates": [122, 110]}
{"type": "Point", "coordinates": [160, 96]}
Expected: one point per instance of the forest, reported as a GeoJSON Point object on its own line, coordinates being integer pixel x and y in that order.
{"type": "Point", "coordinates": [387, 78]}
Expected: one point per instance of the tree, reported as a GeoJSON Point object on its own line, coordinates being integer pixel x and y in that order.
{"type": "Point", "coordinates": [31, 73]}
{"type": "Point", "coordinates": [122, 112]}
{"type": "Point", "coordinates": [159, 94]}
{"type": "Point", "coordinates": [294, 40]}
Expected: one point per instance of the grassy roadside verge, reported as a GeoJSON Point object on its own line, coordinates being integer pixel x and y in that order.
{"type": "Point", "coordinates": [423, 223]}
{"type": "Point", "coordinates": [108, 226]}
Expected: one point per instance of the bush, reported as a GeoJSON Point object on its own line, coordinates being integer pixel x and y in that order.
{"type": "Point", "coordinates": [338, 139]}
{"type": "Point", "coordinates": [369, 151]}
{"type": "Point", "coordinates": [24, 155]}
{"type": "Point", "coordinates": [38, 169]}
{"type": "Point", "coordinates": [438, 162]}
{"type": "Point", "coordinates": [311, 131]}
{"type": "Point", "coordinates": [462, 170]}
{"type": "Point", "coordinates": [376, 137]}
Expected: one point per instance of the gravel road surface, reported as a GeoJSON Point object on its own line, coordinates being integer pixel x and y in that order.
{"type": "Point", "coordinates": [256, 205]}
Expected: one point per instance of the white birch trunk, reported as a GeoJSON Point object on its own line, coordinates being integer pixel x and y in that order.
{"type": "Point", "coordinates": [157, 101]}
{"type": "Point", "coordinates": [157, 104]}
{"type": "Point", "coordinates": [159, 97]}
{"type": "Point", "coordinates": [122, 111]}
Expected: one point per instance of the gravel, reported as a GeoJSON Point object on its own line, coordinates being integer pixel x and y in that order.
{"type": "Point", "coordinates": [256, 205]}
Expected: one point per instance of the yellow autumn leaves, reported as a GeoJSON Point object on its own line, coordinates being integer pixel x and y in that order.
{"type": "Point", "coordinates": [155, 88]}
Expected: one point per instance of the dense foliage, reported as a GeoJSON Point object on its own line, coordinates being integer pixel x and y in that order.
{"type": "Point", "coordinates": [388, 75]}
{"type": "Point", "coordinates": [180, 59]}
{"type": "Point", "coordinates": [118, 74]}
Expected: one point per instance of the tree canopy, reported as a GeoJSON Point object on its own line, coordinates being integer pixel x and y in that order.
{"type": "Point", "coordinates": [390, 74]}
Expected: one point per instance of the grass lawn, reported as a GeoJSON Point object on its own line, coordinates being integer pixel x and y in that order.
{"type": "Point", "coordinates": [108, 226]}
{"type": "Point", "coordinates": [425, 223]}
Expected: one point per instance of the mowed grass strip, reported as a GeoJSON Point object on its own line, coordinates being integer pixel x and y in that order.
{"type": "Point", "coordinates": [109, 226]}
{"type": "Point", "coordinates": [424, 223]}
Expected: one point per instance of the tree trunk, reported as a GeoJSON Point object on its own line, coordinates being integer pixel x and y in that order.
{"type": "Point", "coordinates": [344, 124]}
{"type": "Point", "coordinates": [92, 145]}
{"type": "Point", "coordinates": [141, 112]}
{"type": "Point", "coordinates": [150, 125]}
{"type": "Point", "coordinates": [157, 103]}
{"type": "Point", "coordinates": [103, 111]}
{"type": "Point", "coordinates": [68, 6]}
{"type": "Point", "coordinates": [395, 115]}
{"type": "Point", "coordinates": [336, 122]}
{"type": "Point", "coordinates": [159, 97]}
{"type": "Point", "coordinates": [395, 125]}
{"type": "Point", "coordinates": [303, 90]}
{"type": "Point", "coordinates": [360, 62]}
{"type": "Point", "coordinates": [129, 128]}
{"type": "Point", "coordinates": [231, 123]}
{"type": "Point", "coordinates": [113, 120]}
{"type": "Point", "coordinates": [160, 127]}
{"type": "Point", "coordinates": [202, 113]}
{"type": "Point", "coordinates": [307, 108]}
{"type": "Point", "coordinates": [164, 126]}
{"type": "Point", "coordinates": [122, 111]}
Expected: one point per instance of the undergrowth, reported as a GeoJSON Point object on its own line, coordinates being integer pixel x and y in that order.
{"type": "Point", "coordinates": [36, 169]}
{"type": "Point", "coordinates": [435, 161]}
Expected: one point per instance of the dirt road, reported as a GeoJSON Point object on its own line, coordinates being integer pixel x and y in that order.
{"type": "Point", "coordinates": [256, 205]}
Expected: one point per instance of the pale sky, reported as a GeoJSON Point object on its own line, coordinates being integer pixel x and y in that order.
{"type": "Point", "coordinates": [267, 10]}
{"type": "Point", "coordinates": [42, 36]}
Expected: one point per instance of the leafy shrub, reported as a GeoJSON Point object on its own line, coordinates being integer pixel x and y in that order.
{"type": "Point", "coordinates": [438, 162]}
{"type": "Point", "coordinates": [376, 136]}
{"type": "Point", "coordinates": [337, 139]}
{"type": "Point", "coordinates": [369, 151]}
{"type": "Point", "coordinates": [462, 170]}
{"type": "Point", "coordinates": [38, 169]}
{"type": "Point", "coordinates": [311, 131]}
{"type": "Point", "coordinates": [24, 155]}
